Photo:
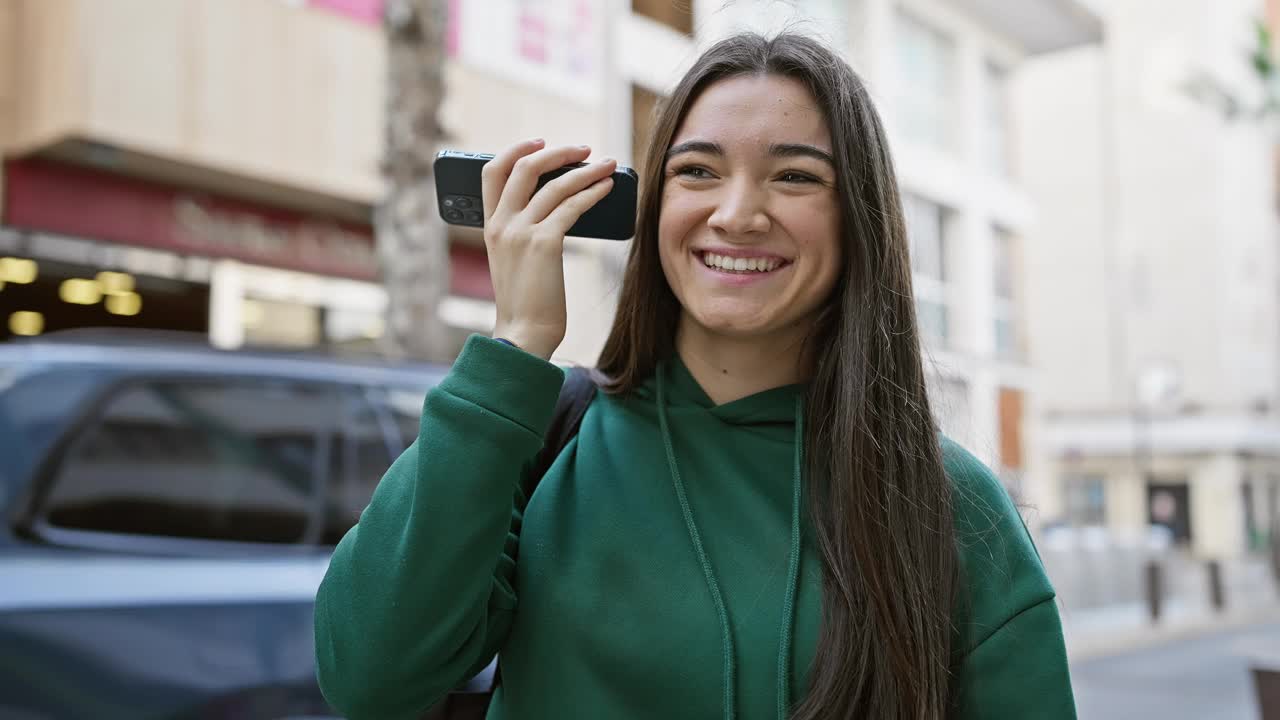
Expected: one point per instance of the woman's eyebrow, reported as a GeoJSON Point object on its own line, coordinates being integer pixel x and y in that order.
{"type": "Point", "coordinates": [801, 150]}
{"type": "Point", "coordinates": [776, 150]}
{"type": "Point", "coordinates": [701, 146]}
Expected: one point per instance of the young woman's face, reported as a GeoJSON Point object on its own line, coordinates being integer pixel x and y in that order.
{"type": "Point", "coordinates": [749, 230]}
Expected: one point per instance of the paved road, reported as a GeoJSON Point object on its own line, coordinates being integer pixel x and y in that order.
{"type": "Point", "coordinates": [1203, 678]}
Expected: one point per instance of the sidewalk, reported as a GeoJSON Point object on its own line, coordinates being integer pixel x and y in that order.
{"type": "Point", "coordinates": [1102, 596]}
{"type": "Point", "coordinates": [1098, 632]}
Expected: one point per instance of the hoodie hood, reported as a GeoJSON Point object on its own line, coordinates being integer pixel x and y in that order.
{"type": "Point", "coordinates": [775, 406]}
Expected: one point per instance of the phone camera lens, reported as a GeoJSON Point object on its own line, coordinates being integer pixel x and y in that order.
{"type": "Point", "coordinates": [453, 215]}
{"type": "Point", "coordinates": [449, 202]}
{"type": "Point", "coordinates": [474, 216]}
{"type": "Point", "coordinates": [464, 202]}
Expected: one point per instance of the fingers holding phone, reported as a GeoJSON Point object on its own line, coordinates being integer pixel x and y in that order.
{"type": "Point", "coordinates": [465, 196]}
{"type": "Point", "coordinates": [524, 232]}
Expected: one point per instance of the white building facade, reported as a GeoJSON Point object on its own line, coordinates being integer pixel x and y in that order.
{"type": "Point", "coordinates": [1153, 282]}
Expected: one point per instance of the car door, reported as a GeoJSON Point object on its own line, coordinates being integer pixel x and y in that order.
{"type": "Point", "coordinates": [179, 539]}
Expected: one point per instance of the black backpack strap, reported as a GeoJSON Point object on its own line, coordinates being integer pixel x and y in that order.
{"type": "Point", "coordinates": [576, 394]}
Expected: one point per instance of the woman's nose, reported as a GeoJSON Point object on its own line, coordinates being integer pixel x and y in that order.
{"type": "Point", "coordinates": [740, 210]}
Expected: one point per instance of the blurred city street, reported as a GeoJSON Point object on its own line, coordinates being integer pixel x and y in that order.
{"type": "Point", "coordinates": [228, 279]}
{"type": "Point", "coordinates": [1203, 677]}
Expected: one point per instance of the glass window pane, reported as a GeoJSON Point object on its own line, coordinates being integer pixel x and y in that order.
{"type": "Point", "coordinates": [1003, 259]}
{"type": "Point", "coordinates": [232, 460]}
{"type": "Point", "coordinates": [1006, 338]}
{"type": "Point", "coordinates": [949, 398]}
{"type": "Point", "coordinates": [358, 458]}
{"type": "Point", "coordinates": [996, 119]}
{"type": "Point", "coordinates": [926, 228]}
{"type": "Point", "coordinates": [405, 408]}
{"type": "Point", "coordinates": [1086, 499]}
{"type": "Point", "coordinates": [933, 319]}
{"type": "Point", "coordinates": [925, 58]}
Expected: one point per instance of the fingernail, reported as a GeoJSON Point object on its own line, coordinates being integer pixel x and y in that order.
{"type": "Point", "coordinates": [536, 141]}
{"type": "Point", "coordinates": [584, 147]}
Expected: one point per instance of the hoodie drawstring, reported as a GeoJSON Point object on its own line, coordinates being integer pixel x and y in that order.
{"type": "Point", "coordinates": [793, 572]}
{"type": "Point", "coordinates": [793, 565]}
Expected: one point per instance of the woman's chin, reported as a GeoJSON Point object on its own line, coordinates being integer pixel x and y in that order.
{"type": "Point", "coordinates": [741, 324]}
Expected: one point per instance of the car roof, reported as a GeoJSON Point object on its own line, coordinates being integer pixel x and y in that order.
{"type": "Point", "coordinates": [161, 351]}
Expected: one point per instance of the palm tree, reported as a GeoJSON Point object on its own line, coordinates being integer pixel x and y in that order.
{"type": "Point", "coordinates": [412, 240]}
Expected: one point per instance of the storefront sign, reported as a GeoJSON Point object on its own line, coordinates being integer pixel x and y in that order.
{"type": "Point", "coordinates": [201, 225]}
{"type": "Point", "coordinates": [75, 214]}
{"type": "Point", "coordinates": [69, 200]}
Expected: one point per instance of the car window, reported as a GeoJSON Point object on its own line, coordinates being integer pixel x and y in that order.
{"type": "Point", "coordinates": [36, 408]}
{"type": "Point", "coordinates": [219, 460]}
{"type": "Point", "coordinates": [404, 405]}
{"type": "Point", "coordinates": [358, 458]}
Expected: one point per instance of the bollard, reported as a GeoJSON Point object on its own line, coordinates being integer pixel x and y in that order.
{"type": "Point", "coordinates": [1154, 588]}
{"type": "Point", "coordinates": [1266, 684]}
{"type": "Point", "coordinates": [1275, 549]}
{"type": "Point", "coordinates": [1217, 599]}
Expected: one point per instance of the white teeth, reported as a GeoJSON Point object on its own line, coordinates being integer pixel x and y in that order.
{"type": "Point", "coordinates": [722, 262]}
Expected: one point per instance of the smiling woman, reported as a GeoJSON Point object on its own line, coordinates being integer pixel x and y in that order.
{"type": "Point", "coordinates": [732, 203]}
{"type": "Point", "coordinates": [757, 517]}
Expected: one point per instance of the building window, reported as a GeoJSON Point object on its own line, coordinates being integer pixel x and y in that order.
{"type": "Point", "coordinates": [1086, 499]}
{"type": "Point", "coordinates": [949, 400]}
{"type": "Point", "coordinates": [675, 14]}
{"type": "Point", "coordinates": [927, 224]}
{"type": "Point", "coordinates": [995, 120]}
{"type": "Point", "coordinates": [1008, 345]}
{"type": "Point", "coordinates": [926, 82]}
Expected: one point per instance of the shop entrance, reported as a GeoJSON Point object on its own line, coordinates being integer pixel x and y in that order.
{"type": "Point", "coordinates": [63, 296]}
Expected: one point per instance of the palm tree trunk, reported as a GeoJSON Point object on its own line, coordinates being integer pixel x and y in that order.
{"type": "Point", "coordinates": [412, 241]}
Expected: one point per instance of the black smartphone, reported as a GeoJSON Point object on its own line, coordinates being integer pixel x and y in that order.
{"type": "Point", "coordinates": [459, 197]}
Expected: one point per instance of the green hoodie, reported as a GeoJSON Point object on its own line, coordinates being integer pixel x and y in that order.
{"type": "Point", "coordinates": [638, 592]}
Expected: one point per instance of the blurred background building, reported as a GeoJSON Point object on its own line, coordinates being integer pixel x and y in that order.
{"type": "Point", "coordinates": [1152, 283]}
{"type": "Point", "coordinates": [219, 159]}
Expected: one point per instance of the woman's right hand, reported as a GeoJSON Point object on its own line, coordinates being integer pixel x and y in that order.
{"type": "Point", "coordinates": [524, 234]}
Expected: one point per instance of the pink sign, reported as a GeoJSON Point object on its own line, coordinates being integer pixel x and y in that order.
{"type": "Point", "coordinates": [367, 11]}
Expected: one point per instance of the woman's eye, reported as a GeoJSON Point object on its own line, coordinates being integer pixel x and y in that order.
{"type": "Point", "coordinates": [693, 172]}
{"type": "Point", "coordinates": [796, 177]}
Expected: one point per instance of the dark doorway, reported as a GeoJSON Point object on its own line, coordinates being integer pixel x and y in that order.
{"type": "Point", "coordinates": [1169, 504]}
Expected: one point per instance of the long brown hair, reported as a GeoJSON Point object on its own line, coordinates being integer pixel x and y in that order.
{"type": "Point", "coordinates": [879, 500]}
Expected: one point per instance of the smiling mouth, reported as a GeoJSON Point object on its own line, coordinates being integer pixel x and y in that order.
{"type": "Point", "coordinates": [741, 266]}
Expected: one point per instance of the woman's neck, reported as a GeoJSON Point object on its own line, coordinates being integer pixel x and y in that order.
{"type": "Point", "coordinates": [730, 368]}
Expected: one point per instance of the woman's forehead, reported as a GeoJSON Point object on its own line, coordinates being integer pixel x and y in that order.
{"type": "Point", "coordinates": [756, 109]}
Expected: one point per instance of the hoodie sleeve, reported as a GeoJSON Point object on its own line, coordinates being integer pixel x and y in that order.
{"type": "Point", "coordinates": [1020, 671]}
{"type": "Point", "coordinates": [419, 594]}
{"type": "Point", "coordinates": [1012, 655]}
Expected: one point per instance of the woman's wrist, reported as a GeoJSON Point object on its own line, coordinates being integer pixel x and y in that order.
{"type": "Point", "coordinates": [526, 345]}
